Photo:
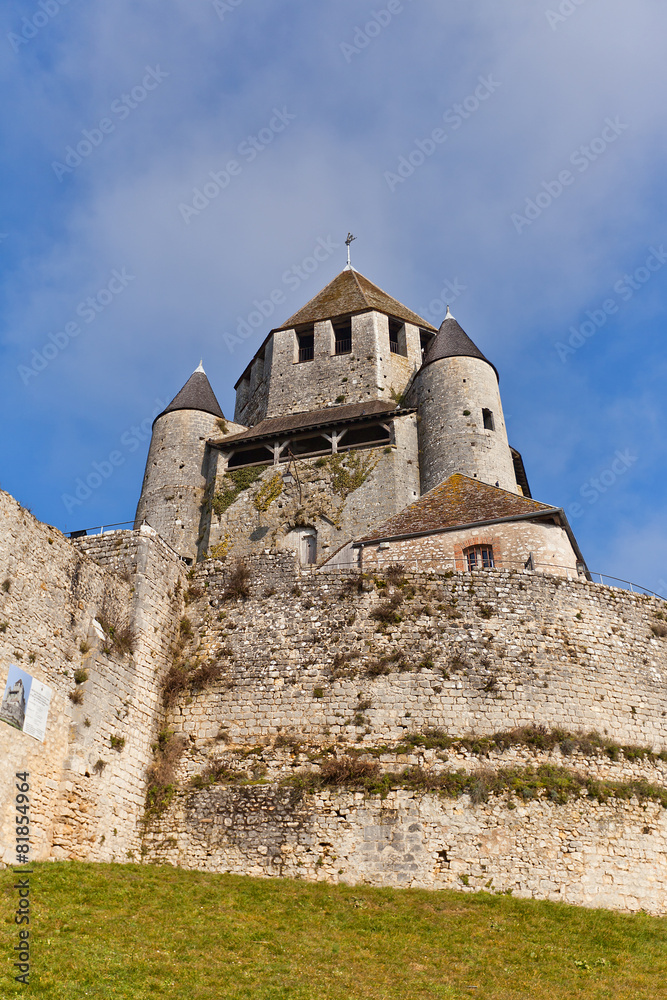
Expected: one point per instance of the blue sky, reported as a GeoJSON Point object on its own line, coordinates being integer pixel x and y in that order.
{"type": "Point", "coordinates": [531, 140]}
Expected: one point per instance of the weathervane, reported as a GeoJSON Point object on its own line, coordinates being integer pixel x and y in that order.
{"type": "Point", "coordinates": [349, 239]}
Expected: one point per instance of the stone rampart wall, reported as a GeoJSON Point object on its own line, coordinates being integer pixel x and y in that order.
{"type": "Point", "coordinates": [476, 652]}
{"type": "Point", "coordinates": [86, 796]}
{"type": "Point", "coordinates": [584, 852]}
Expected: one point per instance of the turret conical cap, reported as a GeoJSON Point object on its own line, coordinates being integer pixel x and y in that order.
{"type": "Point", "coordinates": [196, 394]}
{"type": "Point", "coordinates": [452, 341]}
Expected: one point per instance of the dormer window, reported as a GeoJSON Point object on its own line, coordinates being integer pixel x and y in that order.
{"type": "Point", "coordinates": [487, 417]}
{"type": "Point", "coordinates": [306, 345]}
{"type": "Point", "coordinates": [343, 336]}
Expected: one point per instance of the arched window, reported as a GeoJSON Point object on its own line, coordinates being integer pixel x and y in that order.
{"type": "Point", "coordinates": [478, 557]}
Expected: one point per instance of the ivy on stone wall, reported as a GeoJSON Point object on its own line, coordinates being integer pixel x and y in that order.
{"type": "Point", "coordinates": [220, 550]}
{"type": "Point", "coordinates": [350, 471]}
{"type": "Point", "coordinates": [234, 482]}
{"type": "Point", "coordinates": [268, 492]}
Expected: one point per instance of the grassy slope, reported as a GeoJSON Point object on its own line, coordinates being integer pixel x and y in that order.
{"type": "Point", "coordinates": [130, 931]}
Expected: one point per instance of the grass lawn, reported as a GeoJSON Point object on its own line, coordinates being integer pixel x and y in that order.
{"type": "Point", "coordinates": [140, 932]}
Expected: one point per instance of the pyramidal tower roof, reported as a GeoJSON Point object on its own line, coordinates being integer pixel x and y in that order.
{"type": "Point", "coordinates": [453, 342]}
{"type": "Point", "coordinates": [351, 292]}
{"type": "Point", "coordinates": [196, 394]}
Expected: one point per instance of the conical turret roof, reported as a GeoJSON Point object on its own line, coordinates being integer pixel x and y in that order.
{"type": "Point", "coordinates": [453, 342]}
{"type": "Point", "coordinates": [351, 292]}
{"type": "Point", "coordinates": [196, 394]}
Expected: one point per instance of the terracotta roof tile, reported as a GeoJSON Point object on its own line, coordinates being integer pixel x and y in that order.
{"type": "Point", "coordinates": [456, 502]}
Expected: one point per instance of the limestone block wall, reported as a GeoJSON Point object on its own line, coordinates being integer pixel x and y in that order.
{"type": "Point", "coordinates": [451, 395]}
{"type": "Point", "coordinates": [513, 543]}
{"type": "Point", "coordinates": [252, 390]}
{"type": "Point", "coordinates": [582, 852]}
{"type": "Point", "coordinates": [86, 796]}
{"type": "Point", "coordinates": [315, 667]}
{"type": "Point", "coordinates": [341, 497]}
{"type": "Point", "coordinates": [478, 653]}
{"type": "Point", "coordinates": [172, 493]}
{"type": "Point", "coordinates": [370, 371]}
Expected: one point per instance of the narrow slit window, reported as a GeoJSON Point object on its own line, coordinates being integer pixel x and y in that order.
{"type": "Point", "coordinates": [487, 416]}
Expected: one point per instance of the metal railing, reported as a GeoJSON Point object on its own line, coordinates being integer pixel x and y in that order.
{"type": "Point", "coordinates": [343, 346]}
{"type": "Point", "coordinates": [100, 529]}
{"type": "Point", "coordinates": [306, 353]}
{"type": "Point", "coordinates": [440, 565]}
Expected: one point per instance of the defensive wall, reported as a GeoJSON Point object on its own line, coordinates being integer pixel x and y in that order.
{"type": "Point", "coordinates": [330, 666]}
{"type": "Point", "coordinates": [87, 779]}
{"type": "Point", "coordinates": [316, 669]}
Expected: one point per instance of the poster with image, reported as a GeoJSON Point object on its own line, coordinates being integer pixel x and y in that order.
{"type": "Point", "coordinates": [25, 703]}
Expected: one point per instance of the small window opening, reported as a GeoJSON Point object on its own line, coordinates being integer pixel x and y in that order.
{"type": "Point", "coordinates": [306, 346]}
{"type": "Point", "coordinates": [425, 340]}
{"type": "Point", "coordinates": [478, 557]}
{"type": "Point", "coordinates": [397, 343]}
{"type": "Point", "coordinates": [394, 327]}
{"type": "Point", "coordinates": [487, 416]}
{"type": "Point", "coordinates": [343, 336]}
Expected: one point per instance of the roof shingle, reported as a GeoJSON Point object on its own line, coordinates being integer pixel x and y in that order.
{"type": "Point", "coordinates": [196, 394]}
{"type": "Point", "coordinates": [455, 503]}
{"type": "Point", "coordinates": [453, 342]}
{"type": "Point", "coordinates": [351, 292]}
{"type": "Point", "coordinates": [312, 419]}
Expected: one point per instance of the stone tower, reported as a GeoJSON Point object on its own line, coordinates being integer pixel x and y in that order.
{"type": "Point", "coordinates": [351, 343]}
{"type": "Point", "coordinates": [461, 423]}
{"type": "Point", "coordinates": [175, 479]}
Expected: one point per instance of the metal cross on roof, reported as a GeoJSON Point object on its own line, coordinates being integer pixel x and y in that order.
{"type": "Point", "coordinates": [348, 241]}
